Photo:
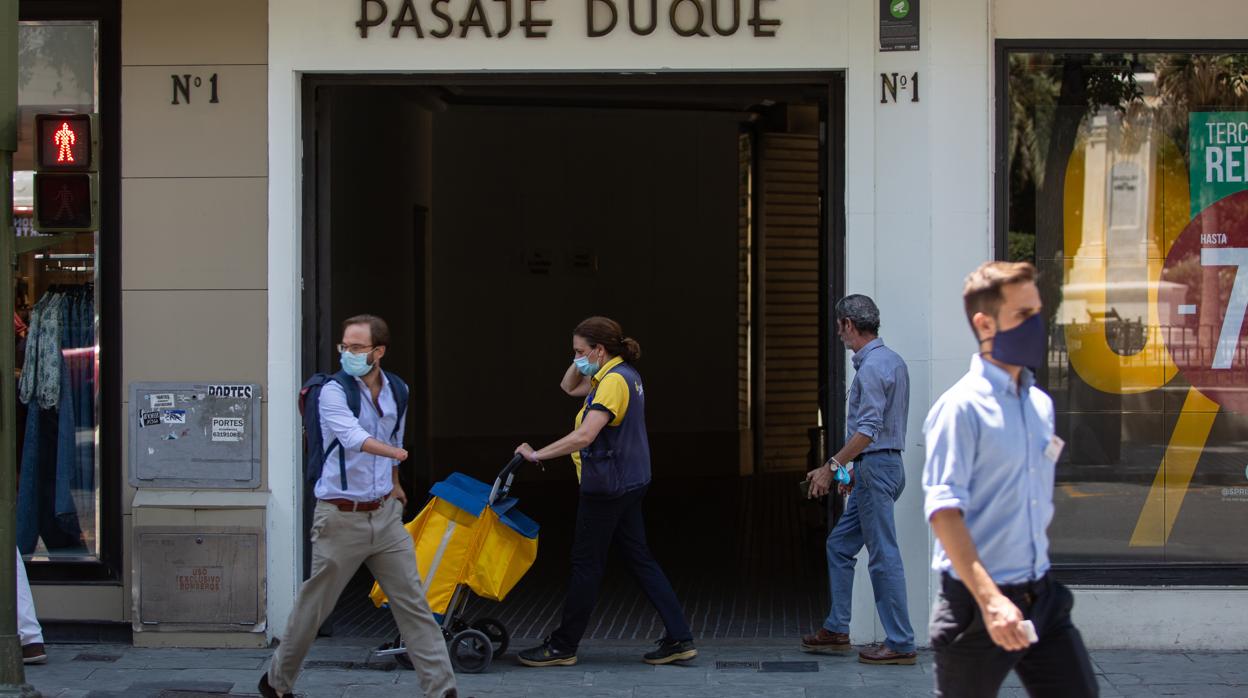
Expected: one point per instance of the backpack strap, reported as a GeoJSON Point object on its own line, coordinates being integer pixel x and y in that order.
{"type": "Point", "coordinates": [401, 394]}
{"type": "Point", "coordinates": [352, 392]}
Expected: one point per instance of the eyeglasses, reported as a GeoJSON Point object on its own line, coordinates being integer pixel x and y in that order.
{"type": "Point", "coordinates": [356, 348]}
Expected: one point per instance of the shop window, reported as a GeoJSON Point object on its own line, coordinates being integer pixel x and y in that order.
{"type": "Point", "coordinates": [1127, 185]}
{"type": "Point", "coordinates": [57, 318]}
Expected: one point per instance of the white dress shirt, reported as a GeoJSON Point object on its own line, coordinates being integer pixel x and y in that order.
{"type": "Point", "coordinates": [368, 477]}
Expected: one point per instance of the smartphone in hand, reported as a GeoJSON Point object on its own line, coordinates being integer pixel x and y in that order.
{"type": "Point", "coordinates": [804, 487]}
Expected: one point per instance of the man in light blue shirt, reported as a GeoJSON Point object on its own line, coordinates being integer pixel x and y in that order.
{"type": "Point", "coordinates": [358, 519]}
{"type": "Point", "coordinates": [988, 484]}
{"type": "Point", "coordinates": [875, 430]}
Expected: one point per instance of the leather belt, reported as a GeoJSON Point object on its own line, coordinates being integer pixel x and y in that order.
{"type": "Point", "coordinates": [351, 505]}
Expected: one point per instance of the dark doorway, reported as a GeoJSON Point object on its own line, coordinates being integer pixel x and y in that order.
{"type": "Point", "coordinates": [485, 217]}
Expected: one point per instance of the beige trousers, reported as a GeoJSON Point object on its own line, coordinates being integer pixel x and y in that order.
{"type": "Point", "coordinates": [341, 542]}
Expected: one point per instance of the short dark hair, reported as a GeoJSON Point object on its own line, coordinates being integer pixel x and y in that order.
{"type": "Point", "coordinates": [861, 311]}
{"type": "Point", "coordinates": [378, 330]}
{"type": "Point", "coordinates": [983, 290]}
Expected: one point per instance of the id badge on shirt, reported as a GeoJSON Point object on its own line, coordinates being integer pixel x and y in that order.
{"type": "Point", "coordinates": [1054, 449]}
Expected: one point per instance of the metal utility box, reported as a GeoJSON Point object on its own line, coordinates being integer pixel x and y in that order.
{"type": "Point", "coordinates": [203, 578]}
{"type": "Point", "coordinates": [195, 435]}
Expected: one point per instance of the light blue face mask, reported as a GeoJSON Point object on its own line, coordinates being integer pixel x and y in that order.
{"type": "Point", "coordinates": [355, 364]}
{"type": "Point", "coordinates": [585, 366]}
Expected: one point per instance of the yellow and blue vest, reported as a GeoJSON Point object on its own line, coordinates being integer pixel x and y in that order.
{"type": "Point", "coordinates": [618, 460]}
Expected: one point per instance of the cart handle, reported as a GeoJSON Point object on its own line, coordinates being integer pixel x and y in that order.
{"type": "Point", "coordinates": [502, 483]}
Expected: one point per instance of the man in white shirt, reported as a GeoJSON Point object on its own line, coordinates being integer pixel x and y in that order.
{"type": "Point", "coordinates": [359, 517]}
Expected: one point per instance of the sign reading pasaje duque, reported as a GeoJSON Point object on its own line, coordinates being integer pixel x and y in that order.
{"type": "Point", "coordinates": [498, 19]}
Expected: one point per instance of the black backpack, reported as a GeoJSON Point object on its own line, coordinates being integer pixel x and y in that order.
{"type": "Point", "coordinates": [314, 448]}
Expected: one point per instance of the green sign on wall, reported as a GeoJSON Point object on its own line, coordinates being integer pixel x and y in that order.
{"type": "Point", "coordinates": [1218, 150]}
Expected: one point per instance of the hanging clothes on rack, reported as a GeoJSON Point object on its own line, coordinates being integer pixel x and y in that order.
{"type": "Point", "coordinates": [57, 477]}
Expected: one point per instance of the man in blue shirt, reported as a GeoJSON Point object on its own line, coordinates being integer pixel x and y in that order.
{"type": "Point", "coordinates": [875, 429]}
{"type": "Point", "coordinates": [358, 520]}
{"type": "Point", "coordinates": [988, 481]}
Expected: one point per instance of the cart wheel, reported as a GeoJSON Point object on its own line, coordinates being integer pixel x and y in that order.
{"type": "Point", "coordinates": [496, 631]}
{"type": "Point", "coordinates": [471, 651]}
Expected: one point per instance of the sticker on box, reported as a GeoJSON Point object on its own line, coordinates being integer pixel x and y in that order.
{"type": "Point", "coordinates": [162, 401]}
{"type": "Point", "coordinates": [149, 419]}
{"type": "Point", "coordinates": [173, 416]}
{"type": "Point", "coordinates": [227, 428]}
{"type": "Point", "coordinates": [234, 391]}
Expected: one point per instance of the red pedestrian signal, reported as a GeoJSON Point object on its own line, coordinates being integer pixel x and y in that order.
{"type": "Point", "coordinates": [67, 142]}
{"type": "Point", "coordinates": [67, 156]}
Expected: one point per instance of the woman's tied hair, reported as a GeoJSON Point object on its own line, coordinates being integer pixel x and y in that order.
{"type": "Point", "coordinates": [861, 311]}
{"type": "Point", "coordinates": [606, 332]}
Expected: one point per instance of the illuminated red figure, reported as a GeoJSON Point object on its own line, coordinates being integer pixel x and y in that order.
{"type": "Point", "coordinates": [65, 139]}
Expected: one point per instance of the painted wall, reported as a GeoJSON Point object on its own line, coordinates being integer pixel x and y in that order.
{"type": "Point", "coordinates": [1119, 19]}
{"type": "Point", "coordinates": [194, 199]}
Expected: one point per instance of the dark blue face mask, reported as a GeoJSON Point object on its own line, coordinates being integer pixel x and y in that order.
{"type": "Point", "coordinates": [1024, 345]}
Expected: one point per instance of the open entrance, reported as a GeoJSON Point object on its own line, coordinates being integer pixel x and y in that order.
{"type": "Point", "coordinates": [484, 218]}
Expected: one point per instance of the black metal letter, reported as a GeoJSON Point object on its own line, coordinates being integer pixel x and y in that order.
{"type": "Point", "coordinates": [365, 23]}
{"type": "Point", "coordinates": [698, 29]}
{"type": "Point", "coordinates": [214, 99]}
{"type": "Point", "coordinates": [531, 26]}
{"type": "Point", "coordinates": [759, 23]}
{"type": "Point", "coordinates": [448, 24]}
{"type": "Point", "coordinates": [888, 87]}
{"type": "Point", "coordinates": [506, 18]}
{"type": "Point", "coordinates": [654, 18]}
{"type": "Point", "coordinates": [181, 84]}
{"type": "Point", "coordinates": [407, 18]}
{"type": "Point", "coordinates": [591, 30]}
{"type": "Point", "coordinates": [736, 18]}
{"type": "Point", "coordinates": [475, 17]}
{"type": "Point", "coordinates": [914, 97]}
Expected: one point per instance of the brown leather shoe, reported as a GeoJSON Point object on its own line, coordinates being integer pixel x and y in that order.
{"type": "Point", "coordinates": [884, 655]}
{"type": "Point", "coordinates": [824, 642]}
{"type": "Point", "coordinates": [34, 654]}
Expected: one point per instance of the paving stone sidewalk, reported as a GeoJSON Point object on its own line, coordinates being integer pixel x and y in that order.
{"type": "Point", "coordinates": [725, 669]}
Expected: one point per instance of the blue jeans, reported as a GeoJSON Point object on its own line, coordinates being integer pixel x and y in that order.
{"type": "Point", "coordinates": [868, 519]}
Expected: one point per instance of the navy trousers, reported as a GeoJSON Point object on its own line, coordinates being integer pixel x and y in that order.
{"type": "Point", "coordinates": [599, 523]}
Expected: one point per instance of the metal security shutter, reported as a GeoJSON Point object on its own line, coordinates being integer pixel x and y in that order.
{"type": "Point", "coordinates": [745, 205]}
{"type": "Point", "coordinates": [790, 213]}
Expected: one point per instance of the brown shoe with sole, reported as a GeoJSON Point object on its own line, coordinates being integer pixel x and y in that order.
{"type": "Point", "coordinates": [885, 655]}
{"type": "Point", "coordinates": [825, 642]}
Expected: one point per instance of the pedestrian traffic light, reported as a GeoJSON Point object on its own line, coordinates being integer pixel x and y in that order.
{"type": "Point", "coordinates": [67, 155]}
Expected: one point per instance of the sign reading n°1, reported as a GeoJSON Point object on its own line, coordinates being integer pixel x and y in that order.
{"type": "Point", "coordinates": [192, 435]}
{"type": "Point", "coordinates": [899, 25]}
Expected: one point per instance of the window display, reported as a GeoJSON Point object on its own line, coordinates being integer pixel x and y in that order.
{"type": "Point", "coordinates": [57, 316]}
{"type": "Point", "coordinates": [1128, 188]}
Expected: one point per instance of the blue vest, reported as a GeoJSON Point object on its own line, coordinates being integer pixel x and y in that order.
{"type": "Point", "coordinates": [618, 461]}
